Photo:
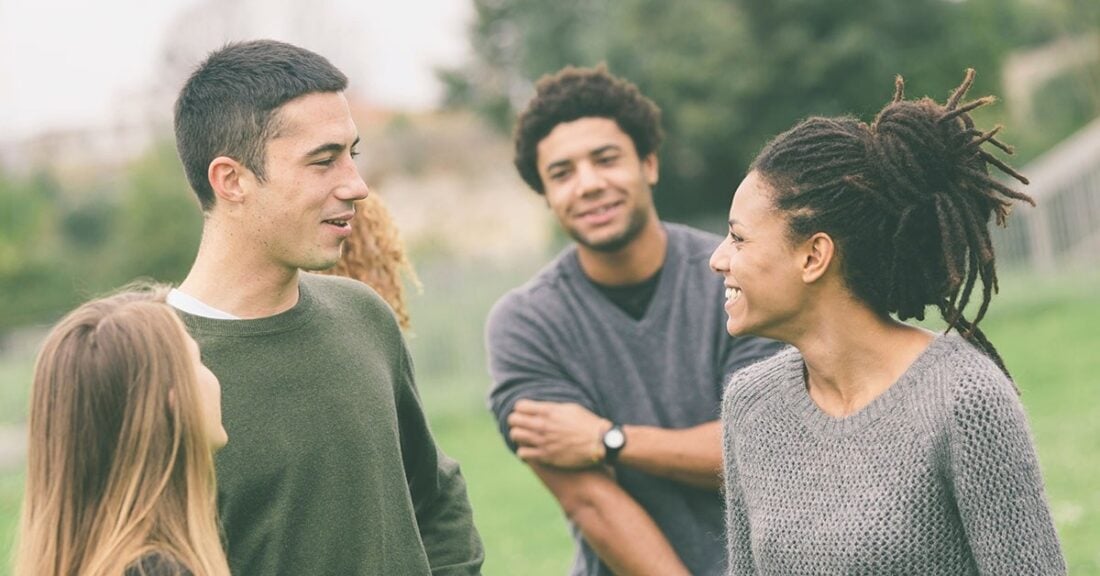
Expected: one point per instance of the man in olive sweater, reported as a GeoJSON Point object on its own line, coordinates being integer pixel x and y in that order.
{"type": "Point", "coordinates": [331, 467]}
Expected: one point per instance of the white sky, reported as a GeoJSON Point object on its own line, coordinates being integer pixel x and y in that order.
{"type": "Point", "coordinates": [64, 62]}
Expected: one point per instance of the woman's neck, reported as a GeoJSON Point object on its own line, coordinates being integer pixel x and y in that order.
{"type": "Point", "coordinates": [853, 355]}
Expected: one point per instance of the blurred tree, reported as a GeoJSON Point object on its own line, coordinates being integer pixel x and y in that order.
{"type": "Point", "coordinates": [730, 74]}
{"type": "Point", "coordinates": [57, 249]}
{"type": "Point", "coordinates": [32, 281]}
{"type": "Point", "coordinates": [159, 221]}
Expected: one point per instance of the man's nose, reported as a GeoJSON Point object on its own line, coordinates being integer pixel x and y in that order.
{"type": "Point", "coordinates": [589, 179]}
{"type": "Point", "coordinates": [354, 188]}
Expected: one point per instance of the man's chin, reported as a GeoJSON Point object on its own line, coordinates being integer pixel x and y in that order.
{"type": "Point", "coordinates": [605, 243]}
{"type": "Point", "coordinates": [319, 265]}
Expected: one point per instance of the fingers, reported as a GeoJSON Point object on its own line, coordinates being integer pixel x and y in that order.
{"type": "Point", "coordinates": [531, 407]}
{"type": "Point", "coordinates": [524, 436]}
{"type": "Point", "coordinates": [521, 420]}
{"type": "Point", "coordinates": [529, 454]}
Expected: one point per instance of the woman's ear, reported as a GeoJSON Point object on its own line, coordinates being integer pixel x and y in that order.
{"type": "Point", "coordinates": [818, 253]}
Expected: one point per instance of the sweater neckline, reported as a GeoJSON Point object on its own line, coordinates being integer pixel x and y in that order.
{"type": "Point", "coordinates": [798, 400]}
{"type": "Point", "coordinates": [657, 303]}
{"type": "Point", "coordinates": [290, 319]}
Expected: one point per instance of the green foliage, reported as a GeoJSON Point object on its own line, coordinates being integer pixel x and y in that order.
{"type": "Point", "coordinates": [160, 223]}
{"type": "Point", "coordinates": [1064, 105]}
{"type": "Point", "coordinates": [62, 244]}
{"type": "Point", "coordinates": [730, 75]}
{"type": "Point", "coordinates": [28, 268]}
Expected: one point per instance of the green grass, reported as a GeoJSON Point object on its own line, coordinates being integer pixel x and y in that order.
{"type": "Point", "coordinates": [11, 493]}
{"type": "Point", "coordinates": [1048, 331]}
{"type": "Point", "coordinates": [521, 525]}
{"type": "Point", "coordinates": [1052, 347]}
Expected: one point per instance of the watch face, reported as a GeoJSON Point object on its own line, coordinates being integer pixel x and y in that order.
{"type": "Point", "coordinates": [614, 438]}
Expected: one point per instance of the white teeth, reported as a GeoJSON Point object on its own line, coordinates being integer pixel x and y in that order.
{"type": "Point", "coordinates": [733, 293]}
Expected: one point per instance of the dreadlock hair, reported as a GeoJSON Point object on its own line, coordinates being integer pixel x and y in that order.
{"type": "Point", "coordinates": [907, 200]}
{"type": "Point", "coordinates": [574, 93]}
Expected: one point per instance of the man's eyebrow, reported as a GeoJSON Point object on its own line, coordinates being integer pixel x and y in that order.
{"type": "Point", "coordinates": [733, 221]}
{"type": "Point", "coordinates": [332, 147]}
{"type": "Point", "coordinates": [596, 152]}
{"type": "Point", "coordinates": [558, 164]}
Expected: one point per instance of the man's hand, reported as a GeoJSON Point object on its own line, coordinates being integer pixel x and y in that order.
{"type": "Point", "coordinates": [557, 434]}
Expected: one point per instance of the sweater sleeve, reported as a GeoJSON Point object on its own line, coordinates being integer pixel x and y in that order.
{"type": "Point", "coordinates": [438, 490]}
{"type": "Point", "coordinates": [523, 363]}
{"type": "Point", "coordinates": [738, 542]}
{"type": "Point", "coordinates": [997, 481]}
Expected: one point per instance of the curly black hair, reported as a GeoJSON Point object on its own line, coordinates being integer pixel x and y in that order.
{"type": "Point", "coordinates": [573, 93]}
{"type": "Point", "coordinates": [907, 199]}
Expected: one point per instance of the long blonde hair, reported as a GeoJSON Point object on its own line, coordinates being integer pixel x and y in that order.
{"type": "Point", "coordinates": [118, 463]}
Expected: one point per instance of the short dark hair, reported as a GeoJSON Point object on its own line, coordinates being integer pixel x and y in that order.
{"type": "Point", "coordinates": [229, 105]}
{"type": "Point", "coordinates": [907, 199]}
{"type": "Point", "coordinates": [574, 93]}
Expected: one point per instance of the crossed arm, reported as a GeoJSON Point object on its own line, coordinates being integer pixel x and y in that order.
{"type": "Point", "coordinates": [561, 442]}
{"type": "Point", "coordinates": [614, 524]}
{"type": "Point", "coordinates": [568, 436]}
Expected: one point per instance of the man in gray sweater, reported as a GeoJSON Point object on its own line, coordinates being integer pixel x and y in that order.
{"type": "Point", "coordinates": [609, 365]}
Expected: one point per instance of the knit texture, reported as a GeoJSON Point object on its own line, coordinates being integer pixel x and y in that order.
{"type": "Point", "coordinates": [330, 467]}
{"type": "Point", "coordinates": [558, 338]}
{"type": "Point", "coordinates": [938, 475]}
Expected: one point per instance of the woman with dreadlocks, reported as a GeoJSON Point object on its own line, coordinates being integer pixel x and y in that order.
{"type": "Point", "coordinates": [873, 446]}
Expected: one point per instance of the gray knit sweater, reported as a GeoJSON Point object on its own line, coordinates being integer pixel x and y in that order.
{"type": "Point", "coordinates": [938, 475]}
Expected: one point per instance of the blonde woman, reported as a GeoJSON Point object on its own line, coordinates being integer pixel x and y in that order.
{"type": "Point", "coordinates": [123, 421]}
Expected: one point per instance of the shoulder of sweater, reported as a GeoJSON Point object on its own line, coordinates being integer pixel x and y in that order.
{"type": "Point", "coordinates": [343, 288]}
{"type": "Point", "coordinates": [538, 291]}
{"type": "Point", "coordinates": [971, 378]}
{"type": "Point", "coordinates": [696, 244]}
{"type": "Point", "coordinates": [340, 293]}
{"type": "Point", "coordinates": [751, 387]}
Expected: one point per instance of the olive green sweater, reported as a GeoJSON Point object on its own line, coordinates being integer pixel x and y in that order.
{"type": "Point", "coordinates": [331, 468]}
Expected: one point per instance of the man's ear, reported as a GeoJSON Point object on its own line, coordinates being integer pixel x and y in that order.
{"type": "Point", "coordinates": [651, 168]}
{"type": "Point", "coordinates": [818, 253]}
{"type": "Point", "coordinates": [226, 175]}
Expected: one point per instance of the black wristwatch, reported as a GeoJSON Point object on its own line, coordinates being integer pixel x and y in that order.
{"type": "Point", "coordinates": [613, 442]}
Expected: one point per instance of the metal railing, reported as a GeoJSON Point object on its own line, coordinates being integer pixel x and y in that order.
{"type": "Point", "coordinates": [1063, 229]}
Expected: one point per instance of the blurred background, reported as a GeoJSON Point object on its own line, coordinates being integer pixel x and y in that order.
{"type": "Point", "coordinates": [92, 194]}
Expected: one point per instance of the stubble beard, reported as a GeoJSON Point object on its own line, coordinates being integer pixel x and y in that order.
{"type": "Point", "coordinates": [634, 227]}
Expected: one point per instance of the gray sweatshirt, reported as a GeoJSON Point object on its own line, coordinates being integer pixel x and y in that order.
{"type": "Point", "coordinates": [938, 475]}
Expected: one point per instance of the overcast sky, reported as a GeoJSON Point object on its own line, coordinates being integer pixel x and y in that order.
{"type": "Point", "coordinates": [63, 62]}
